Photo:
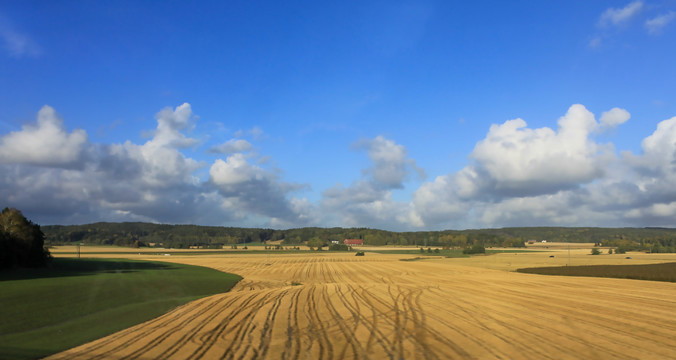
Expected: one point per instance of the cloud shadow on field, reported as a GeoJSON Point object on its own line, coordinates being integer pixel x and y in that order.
{"type": "Point", "coordinates": [81, 267]}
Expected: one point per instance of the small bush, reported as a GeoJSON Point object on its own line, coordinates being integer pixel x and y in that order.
{"type": "Point", "coordinates": [359, 253]}
{"type": "Point", "coordinates": [338, 247]}
{"type": "Point", "coordinates": [475, 249]}
{"type": "Point", "coordinates": [595, 251]}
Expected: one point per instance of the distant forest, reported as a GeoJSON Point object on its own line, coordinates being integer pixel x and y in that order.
{"type": "Point", "coordinates": [186, 236]}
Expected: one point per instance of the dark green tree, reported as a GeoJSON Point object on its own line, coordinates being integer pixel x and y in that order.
{"type": "Point", "coordinates": [475, 249]}
{"type": "Point", "coordinates": [21, 241]}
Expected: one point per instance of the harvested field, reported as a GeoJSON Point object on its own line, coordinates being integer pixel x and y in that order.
{"type": "Point", "coordinates": [336, 306]}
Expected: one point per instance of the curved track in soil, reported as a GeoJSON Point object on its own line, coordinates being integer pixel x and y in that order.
{"type": "Point", "coordinates": [378, 307]}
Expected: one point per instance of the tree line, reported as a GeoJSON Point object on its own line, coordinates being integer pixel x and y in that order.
{"type": "Point", "coordinates": [185, 236]}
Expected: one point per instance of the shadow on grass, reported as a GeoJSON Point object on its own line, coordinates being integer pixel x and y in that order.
{"type": "Point", "coordinates": [14, 352]}
{"type": "Point", "coordinates": [62, 267]}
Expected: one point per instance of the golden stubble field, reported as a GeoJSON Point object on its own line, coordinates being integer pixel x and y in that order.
{"type": "Point", "coordinates": [338, 306]}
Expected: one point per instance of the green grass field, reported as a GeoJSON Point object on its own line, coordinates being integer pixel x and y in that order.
{"type": "Point", "coordinates": [656, 272]}
{"type": "Point", "coordinates": [44, 311]}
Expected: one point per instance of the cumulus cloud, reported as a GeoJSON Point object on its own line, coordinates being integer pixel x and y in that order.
{"type": "Point", "coordinates": [235, 170]}
{"type": "Point", "coordinates": [231, 146]}
{"type": "Point", "coordinates": [660, 214]}
{"type": "Point", "coordinates": [368, 201]}
{"type": "Point", "coordinates": [169, 125]}
{"type": "Point", "coordinates": [614, 16]}
{"type": "Point", "coordinates": [655, 171]}
{"type": "Point", "coordinates": [522, 174]}
{"type": "Point", "coordinates": [390, 164]}
{"type": "Point", "coordinates": [158, 163]}
{"type": "Point", "coordinates": [45, 142]}
{"type": "Point", "coordinates": [523, 161]}
{"type": "Point", "coordinates": [366, 204]}
{"type": "Point", "coordinates": [517, 176]}
{"type": "Point", "coordinates": [659, 151]}
{"type": "Point", "coordinates": [62, 178]}
{"type": "Point", "coordinates": [613, 117]}
{"type": "Point", "coordinates": [253, 189]}
{"type": "Point", "coordinates": [151, 181]}
{"type": "Point", "coordinates": [656, 24]}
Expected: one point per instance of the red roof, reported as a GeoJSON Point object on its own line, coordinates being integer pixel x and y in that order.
{"type": "Point", "coordinates": [353, 242]}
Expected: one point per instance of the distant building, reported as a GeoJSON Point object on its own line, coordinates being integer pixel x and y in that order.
{"type": "Point", "coordinates": [531, 242]}
{"type": "Point", "coordinates": [544, 241]}
{"type": "Point", "coordinates": [335, 242]}
{"type": "Point", "coordinates": [352, 242]}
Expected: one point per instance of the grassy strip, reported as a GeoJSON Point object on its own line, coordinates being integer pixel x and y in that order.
{"type": "Point", "coordinates": [414, 259]}
{"type": "Point", "coordinates": [655, 272]}
{"type": "Point", "coordinates": [450, 253]}
{"type": "Point", "coordinates": [491, 251]}
{"type": "Point", "coordinates": [447, 253]}
{"type": "Point", "coordinates": [45, 311]}
{"type": "Point", "coordinates": [194, 252]}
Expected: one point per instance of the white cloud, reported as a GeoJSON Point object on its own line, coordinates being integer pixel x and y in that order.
{"type": "Point", "coordinates": [235, 170]}
{"type": "Point", "coordinates": [659, 150]}
{"type": "Point", "coordinates": [518, 176]}
{"type": "Point", "coordinates": [231, 146]}
{"type": "Point", "coordinates": [390, 164]}
{"type": "Point", "coordinates": [153, 181]}
{"type": "Point", "coordinates": [613, 16]}
{"type": "Point", "coordinates": [437, 202]}
{"type": "Point", "coordinates": [158, 163]}
{"type": "Point", "coordinates": [170, 123]}
{"type": "Point", "coordinates": [664, 212]}
{"type": "Point", "coordinates": [256, 190]}
{"type": "Point", "coordinates": [368, 201]}
{"type": "Point", "coordinates": [366, 204]}
{"type": "Point", "coordinates": [613, 117]}
{"type": "Point", "coordinates": [656, 24]}
{"type": "Point", "coordinates": [45, 143]}
{"type": "Point", "coordinates": [525, 176]}
{"type": "Point", "coordinates": [523, 161]}
{"type": "Point", "coordinates": [655, 171]}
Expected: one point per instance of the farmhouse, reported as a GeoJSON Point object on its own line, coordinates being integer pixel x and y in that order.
{"type": "Point", "coordinates": [353, 242]}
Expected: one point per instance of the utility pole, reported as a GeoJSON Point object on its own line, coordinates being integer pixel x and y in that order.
{"type": "Point", "coordinates": [568, 254]}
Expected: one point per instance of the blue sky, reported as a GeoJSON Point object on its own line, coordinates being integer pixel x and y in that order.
{"type": "Point", "coordinates": [394, 115]}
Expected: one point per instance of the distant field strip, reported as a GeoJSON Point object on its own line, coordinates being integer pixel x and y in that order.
{"type": "Point", "coordinates": [381, 308]}
{"type": "Point", "coordinates": [656, 272]}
